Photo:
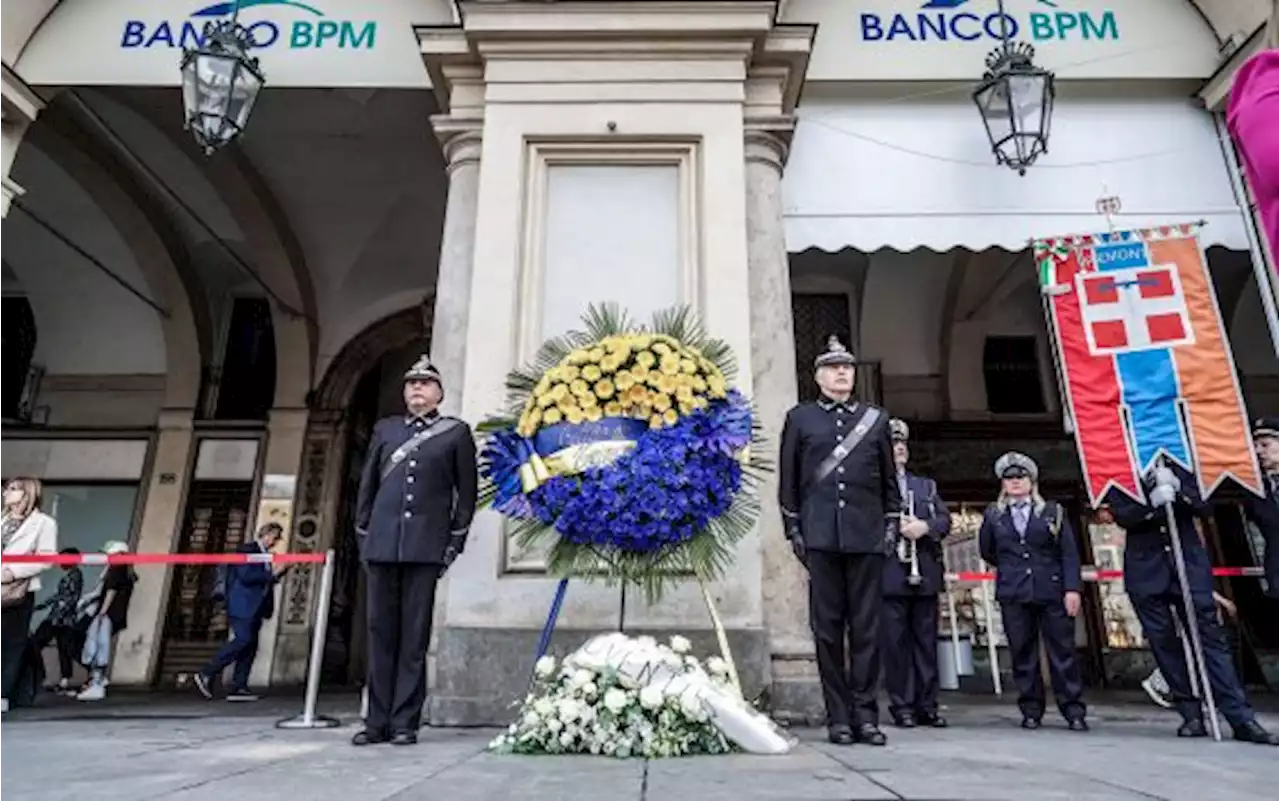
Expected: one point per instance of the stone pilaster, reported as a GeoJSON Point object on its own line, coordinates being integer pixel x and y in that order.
{"type": "Point", "coordinates": [20, 107]}
{"type": "Point", "coordinates": [773, 368]}
{"type": "Point", "coordinates": [461, 144]}
{"type": "Point", "coordinates": [138, 648]}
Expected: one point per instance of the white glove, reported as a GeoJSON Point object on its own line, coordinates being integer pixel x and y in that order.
{"type": "Point", "coordinates": [1166, 477]}
{"type": "Point", "coordinates": [1162, 494]}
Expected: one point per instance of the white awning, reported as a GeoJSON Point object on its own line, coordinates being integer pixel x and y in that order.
{"type": "Point", "coordinates": [874, 173]}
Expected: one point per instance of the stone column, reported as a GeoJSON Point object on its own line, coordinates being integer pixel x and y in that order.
{"type": "Point", "coordinates": [461, 145]}
{"type": "Point", "coordinates": [20, 107]}
{"type": "Point", "coordinates": [138, 648]}
{"type": "Point", "coordinates": [773, 373]}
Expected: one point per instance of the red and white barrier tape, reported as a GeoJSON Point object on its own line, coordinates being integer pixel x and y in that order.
{"type": "Point", "coordinates": [65, 560]}
{"type": "Point", "coordinates": [1093, 574]}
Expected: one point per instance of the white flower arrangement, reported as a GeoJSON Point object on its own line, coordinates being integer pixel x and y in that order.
{"type": "Point", "coordinates": [594, 709]}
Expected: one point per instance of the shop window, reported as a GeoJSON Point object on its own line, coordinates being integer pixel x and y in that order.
{"type": "Point", "coordinates": [1011, 373]}
{"type": "Point", "coordinates": [88, 516]}
{"type": "Point", "coordinates": [19, 346]}
{"type": "Point", "coordinates": [247, 385]}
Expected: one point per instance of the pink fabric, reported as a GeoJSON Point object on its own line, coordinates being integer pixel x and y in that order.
{"type": "Point", "coordinates": [1253, 116]}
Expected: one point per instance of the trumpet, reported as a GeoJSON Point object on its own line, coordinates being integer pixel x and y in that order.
{"type": "Point", "coordinates": [908, 553]}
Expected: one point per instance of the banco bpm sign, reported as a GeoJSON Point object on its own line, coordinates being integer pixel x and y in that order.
{"type": "Point", "coordinates": [273, 24]}
{"type": "Point", "coordinates": [970, 20]}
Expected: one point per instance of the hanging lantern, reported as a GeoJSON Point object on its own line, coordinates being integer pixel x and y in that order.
{"type": "Point", "coordinates": [1015, 99]}
{"type": "Point", "coordinates": [220, 83]}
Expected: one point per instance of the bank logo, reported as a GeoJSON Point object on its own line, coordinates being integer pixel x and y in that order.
{"type": "Point", "coordinates": [266, 22]}
{"type": "Point", "coordinates": [949, 20]}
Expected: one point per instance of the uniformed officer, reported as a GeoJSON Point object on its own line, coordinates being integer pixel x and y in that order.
{"type": "Point", "coordinates": [840, 508]}
{"type": "Point", "coordinates": [1151, 581]}
{"type": "Point", "coordinates": [912, 581]}
{"type": "Point", "coordinates": [1032, 546]}
{"type": "Point", "coordinates": [415, 504]}
{"type": "Point", "coordinates": [1263, 512]}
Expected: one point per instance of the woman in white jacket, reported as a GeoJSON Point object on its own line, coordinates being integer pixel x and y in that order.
{"type": "Point", "coordinates": [24, 530]}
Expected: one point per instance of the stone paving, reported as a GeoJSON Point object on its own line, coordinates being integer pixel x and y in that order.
{"type": "Point", "coordinates": [142, 748]}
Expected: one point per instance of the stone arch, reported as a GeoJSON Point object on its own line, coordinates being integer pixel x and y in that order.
{"type": "Point", "coordinates": [276, 252]}
{"type": "Point", "coordinates": [158, 249]}
{"type": "Point", "coordinates": [358, 354]}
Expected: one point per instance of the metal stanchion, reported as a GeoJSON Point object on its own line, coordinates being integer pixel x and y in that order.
{"type": "Point", "coordinates": [992, 653]}
{"type": "Point", "coordinates": [955, 629]}
{"type": "Point", "coordinates": [309, 719]}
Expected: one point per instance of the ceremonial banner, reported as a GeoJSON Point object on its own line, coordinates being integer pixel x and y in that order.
{"type": "Point", "coordinates": [1146, 366]}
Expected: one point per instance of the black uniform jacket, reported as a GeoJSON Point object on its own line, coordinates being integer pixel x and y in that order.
{"type": "Point", "coordinates": [855, 508]}
{"type": "Point", "coordinates": [1263, 513]}
{"type": "Point", "coordinates": [428, 497]}
{"type": "Point", "coordinates": [1149, 568]}
{"type": "Point", "coordinates": [1037, 566]}
{"type": "Point", "coordinates": [930, 508]}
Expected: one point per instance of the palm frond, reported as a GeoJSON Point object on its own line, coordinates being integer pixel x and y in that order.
{"type": "Point", "coordinates": [606, 320]}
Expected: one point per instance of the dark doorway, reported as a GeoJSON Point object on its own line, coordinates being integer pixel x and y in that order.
{"type": "Point", "coordinates": [377, 395]}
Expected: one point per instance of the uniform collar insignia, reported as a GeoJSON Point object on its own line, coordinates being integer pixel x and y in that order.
{"type": "Point", "coordinates": [828, 404]}
{"type": "Point", "coordinates": [429, 417]}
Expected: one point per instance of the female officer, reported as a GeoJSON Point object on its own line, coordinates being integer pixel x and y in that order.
{"type": "Point", "coordinates": [1033, 549]}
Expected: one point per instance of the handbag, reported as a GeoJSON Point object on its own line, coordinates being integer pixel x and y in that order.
{"type": "Point", "coordinates": [12, 593]}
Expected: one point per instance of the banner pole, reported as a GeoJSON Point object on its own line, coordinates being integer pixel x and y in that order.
{"type": "Point", "coordinates": [309, 719]}
{"type": "Point", "coordinates": [992, 653]}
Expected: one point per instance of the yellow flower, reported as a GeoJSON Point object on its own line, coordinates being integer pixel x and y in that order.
{"type": "Point", "coordinates": [578, 356]}
{"type": "Point", "coordinates": [604, 389]}
{"type": "Point", "coordinates": [544, 384]}
{"type": "Point", "coordinates": [684, 394]}
{"type": "Point", "coordinates": [655, 422]}
{"type": "Point", "coordinates": [670, 364]}
{"type": "Point", "coordinates": [619, 346]}
{"type": "Point", "coordinates": [639, 372]}
{"type": "Point", "coordinates": [610, 363]}
{"type": "Point", "coordinates": [613, 409]}
{"type": "Point", "coordinates": [595, 354]}
{"type": "Point", "coordinates": [715, 386]}
{"type": "Point", "coordinates": [594, 413]}
{"type": "Point", "coordinates": [686, 406]}
{"type": "Point", "coordinates": [573, 415]}
{"type": "Point", "coordinates": [638, 394]}
{"type": "Point", "coordinates": [687, 366]}
{"type": "Point", "coordinates": [579, 387]}
{"type": "Point", "coordinates": [588, 400]}
{"type": "Point", "coordinates": [568, 372]}
{"type": "Point", "coordinates": [646, 359]}
{"type": "Point", "coordinates": [643, 410]}
{"type": "Point", "coordinates": [670, 417]}
{"type": "Point", "coordinates": [591, 372]}
{"type": "Point", "coordinates": [641, 341]}
{"type": "Point", "coordinates": [551, 416]}
{"type": "Point", "coordinates": [624, 381]}
{"type": "Point", "coordinates": [661, 401]}
{"type": "Point", "coordinates": [661, 348]}
{"type": "Point", "coordinates": [667, 384]}
{"type": "Point", "coordinates": [699, 384]}
{"type": "Point", "coordinates": [699, 402]}
{"type": "Point", "coordinates": [533, 417]}
{"type": "Point", "coordinates": [653, 378]}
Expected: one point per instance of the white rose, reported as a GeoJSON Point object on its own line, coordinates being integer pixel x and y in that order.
{"type": "Point", "coordinates": [615, 700]}
{"type": "Point", "coordinates": [566, 739]}
{"type": "Point", "coordinates": [569, 710]}
{"type": "Point", "coordinates": [651, 697]}
{"type": "Point", "coordinates": [646, 642]}
{"type": "Point", "coordinates": [531, 719]}
{"type": "Point", "coordinates": [589, 689]}
{"type": "Point", "coordinates": [691, 706]}
{"type": "Point", "coordinates": [671, 660]}
{"type": "Point", "coordinates": [554, 725]}
{"type": "Point", "coordinates": [544, 707]}
{"type": "Point", "coordinates": [691, 662]}
{"type": "Point", "coordinates": [581, 678]}
{"type": "Point", "coordinates": [680, 645]}
{"type": "Point", "coordinates": [717, 666]}
{"type": "Point", "coordinates": [545, 666]}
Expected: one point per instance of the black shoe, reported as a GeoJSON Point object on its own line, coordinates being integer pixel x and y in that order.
{"type": "Point", "coordinates": [1077, 724]}
{"type": "Point", "coordinates": [840, 734]}
{"type": "Point", "coordinates": [931, 719]}
{"type": "Point", "coordinates": [1252, 732]}
{"type": "Point", "coordinates": [869, 734]}
{"type": "Point", "coordinates": [241, 695]}
{"type": "Point", "coordinates": [904, 721]}
{"type": "Point", "coordinates": [368, 737]}
{"type": "Point", "coordinates": [1031, 723]}
{"type": "Point", "coordinates": [201, 683]}
{"type": "Point", "coordinates": [404, 738]}
{"type": "Point", "coordinates": [1193, 728]}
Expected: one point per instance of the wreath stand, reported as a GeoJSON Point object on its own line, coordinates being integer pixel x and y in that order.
{"type": "Point", "coordinates": [557, 602]}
